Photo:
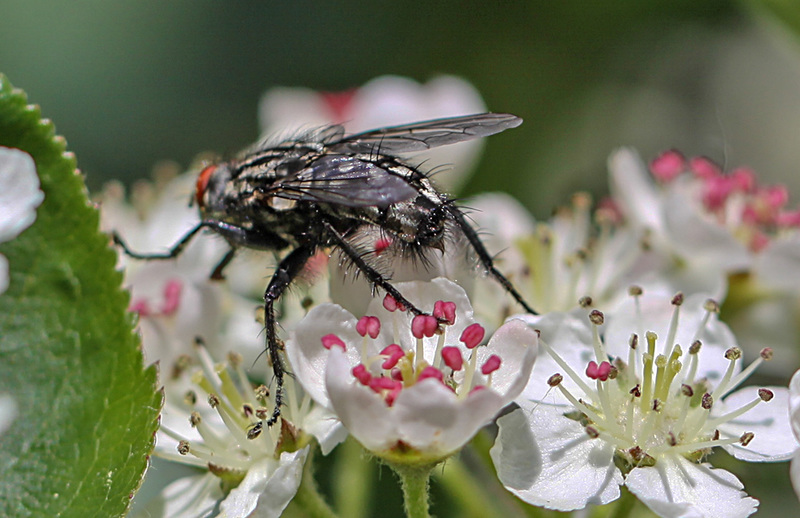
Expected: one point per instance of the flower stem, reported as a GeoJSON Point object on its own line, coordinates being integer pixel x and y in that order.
{"type": "Point", "coordinates": [415, 488]}
{"type": "Point", "coordinates": [624, 505]}
{"type": "Point", "coordinates": [308, 496]}
{"type": "Point", "coordinates": [475, 499]}
{"type": "Point", "coordinates": [353, 481]}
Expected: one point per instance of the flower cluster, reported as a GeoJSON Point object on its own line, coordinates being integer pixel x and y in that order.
{"type": "Point", "coordinates": [638, 395]}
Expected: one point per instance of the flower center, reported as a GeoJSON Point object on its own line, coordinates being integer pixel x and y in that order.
{"type": "Point", "coordinates": [661, 407]}
{"type": "Point", "coordinates": [396, 368]}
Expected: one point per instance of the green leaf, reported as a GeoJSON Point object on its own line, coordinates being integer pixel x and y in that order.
{"type": "Point", "coordinates": [786, 12]}
{"type": "Point", "coordinates": [87, 410]}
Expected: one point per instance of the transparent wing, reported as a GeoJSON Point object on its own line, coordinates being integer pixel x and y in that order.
{"type": "Point", "coordinates": [421, 136]}
{"type": "Point", "coordinates": [345, 180]}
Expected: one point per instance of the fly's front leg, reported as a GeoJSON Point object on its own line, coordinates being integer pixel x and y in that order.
{"type": "Point", "coordinates": [371, 273]}
{"type": "Point", "coordinates": [173, 252]}
{"type": "Point", "coordinates": [484, 257]}
{"type": "Point", "coordinates": [287, 270]}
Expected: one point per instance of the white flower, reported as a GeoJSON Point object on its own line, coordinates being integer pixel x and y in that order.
{"type": "Point", "coordinates": [716, 231]}
{"type": "Point", "coordinates": [640, 401]}
{"type": "Point", "coordinates": [794, 415]}
{"type": "Point", "coordinates": [384, 101]}
{"type": "Point", "coordinates": [218, 424]}
{"type": "Point", "coordinates": [401, 385]}
{"type": "Point", "coordinates": [579, 253]}
{"type": "Point", "coordinates": [19, 197]}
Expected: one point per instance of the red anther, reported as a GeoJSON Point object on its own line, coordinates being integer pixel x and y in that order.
{"type": "Point", "coordinates": [390, 304]}
{"type": "Point", "coordinates": [743, 179]}
{"type": "Point", "coordinates": [668, 165]}
{"type": "Point", "coordinates": [788, 218]}
{"type": "Point", "coordinates": [369, 325]}
{"type": "Point", "coordinates": [338, 104]}
{"type": "Point", "coordinates": [716, 191]}
{"type": "Point", "coordinates": [361, 373]}
{"type": "Point", "coordinates": [430, 372]}
{"type": "Point", "coordinates": [445, 311]}
{"type": "Point", "coordinates": [424, 325]}
{"type": "Point", "coordinates": [452, 357]}
{"type": "Point", "coordinates": [397, 374]}
{"type": "Point", "coordinates": [382, 244]}
{"type": "Point", "coordinates": [598, 372]}
{"type": "Point", "coordinates": [331, 340]}
{"type": "Point", "coordinates": [703, 167]}
{"type": "Point", "coordinates": [141, 307]}
{"type": "Point", "coordinates": [473, 335]}
{"type": "Point", "coordinates": [391, 396]}
{"type": "Point", "coordinates": [381, 383]}
{"type": "Point", "coordinates": [393, 353]}
{"type": "Point", "coordinates": [172, 296]}
{"type": "Point", "coordinates": [776, 196]}
{"type": "Point", "coordinates": [491, 365]}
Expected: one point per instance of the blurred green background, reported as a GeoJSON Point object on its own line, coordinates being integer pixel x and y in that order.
{"type": "Point", "coordinates": [132, 83]}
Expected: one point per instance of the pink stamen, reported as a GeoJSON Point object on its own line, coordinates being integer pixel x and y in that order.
{"type": "Point", "coordinates": [473, 335]}
{"type": "Point", "coordinates": [491, 365]}
{"type": "Point", "coordinates": [609, 210]}
{"type": "Point", "coordinates": [743, 179]}
{"type": "Point", "coordinates": [397, 374]}
{"type": "Point", "coordinates": [361, 373]}
{"type": "Point", "coordinates": [430, 372]}
{"type": "Point", "coordinates": [445, 311]}
{"type": "Point", "coordinates": [424, 325]}
{"type": "Point", "coordinates": [668, 165]}
{"type": "Point", "coordinates": [703, 167]}
{"type": "Point", "coordinates": [390, 304]}
{"type": "Point", "coordinates": [788, 218]}
{"type": "Point", "coordinates": [331, 340]}
{"type": "Point", "coordinates": [716, 191]}
{"type": "Point", "coordinates": [140, 306]}
{"type": "Point", "coordinates": [172, 296]}
{"type": "Point", "coordinates": [477, 388]}
{"type": "Point", "coordinates": [598, 372]}
{"type": "Point", "coordinates": [393, 352]}
{"type": "Point", "coordinates": [452, 357]}
{"type": "Point", "coordinates": [369, 325]}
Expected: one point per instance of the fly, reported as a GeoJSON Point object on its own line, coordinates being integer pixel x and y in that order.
{"type": "Point", "coordinates": [326, 190]}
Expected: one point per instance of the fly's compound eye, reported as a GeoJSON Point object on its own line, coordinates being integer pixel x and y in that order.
{"type": "Point", "coordinates": [202, 183]}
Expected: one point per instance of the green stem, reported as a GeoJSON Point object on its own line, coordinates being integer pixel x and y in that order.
{"type": "Point", "coordinates": [308, 496]}
{"type": "Point", "coordinates": [624, 505]}
{"type": "Point", "coordinates": [353, 481]}
{"type": "Point", "coordinates": [415, 488]}
{"type": "Point", "coordinates": [474, 499]}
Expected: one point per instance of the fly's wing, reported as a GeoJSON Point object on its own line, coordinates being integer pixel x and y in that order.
{"type": "Point", "coordinates": [421, 136]}
{"type": "Point", "coordinates": [345, 180]}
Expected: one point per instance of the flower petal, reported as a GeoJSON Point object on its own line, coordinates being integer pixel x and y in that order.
{"type": "Point", "coordinates": [267, 489]}
{"type": "Point", "coordinates": [676, 487]}
{"type": "Point", "coordinates": [630, 183]}
{"type": "Point", "coordinates": [432, 419]}
{"type": "Point", "coordinates": [19, 192]}
{"type": "Point", "coordinates": [187, 497]}
{"type": "Point", "coordinates": [548, 460]}
{"type": "Point", "coordinates": [773, 439]}
{"type": "Point", "coordinates": [517, 345]}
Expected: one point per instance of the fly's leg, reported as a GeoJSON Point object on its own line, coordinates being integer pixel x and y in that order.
{"type": "Point", "coordinates": [173, 252]}
{"type": "Point", "coordinates": [484, 257]}
{"type": "Point", "coordinates": [235, 235]}
{"type": "Point", "coordinates": [371, 273]}
{"type": "Point", "coordinates": [217, 275]}
{"type": "Point", "coordinates": [287, 270]}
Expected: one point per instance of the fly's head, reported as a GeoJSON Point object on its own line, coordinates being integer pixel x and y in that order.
{"type": "Point", "coordinates": [210, 189]}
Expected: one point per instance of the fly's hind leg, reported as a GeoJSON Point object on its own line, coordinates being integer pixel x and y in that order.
{"type": "Point", "coordinates": [287, 270]}
{"type": "Point", "coordinates": [371, 273]}
{"type": "Point", "coordinates": [484, 257]}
